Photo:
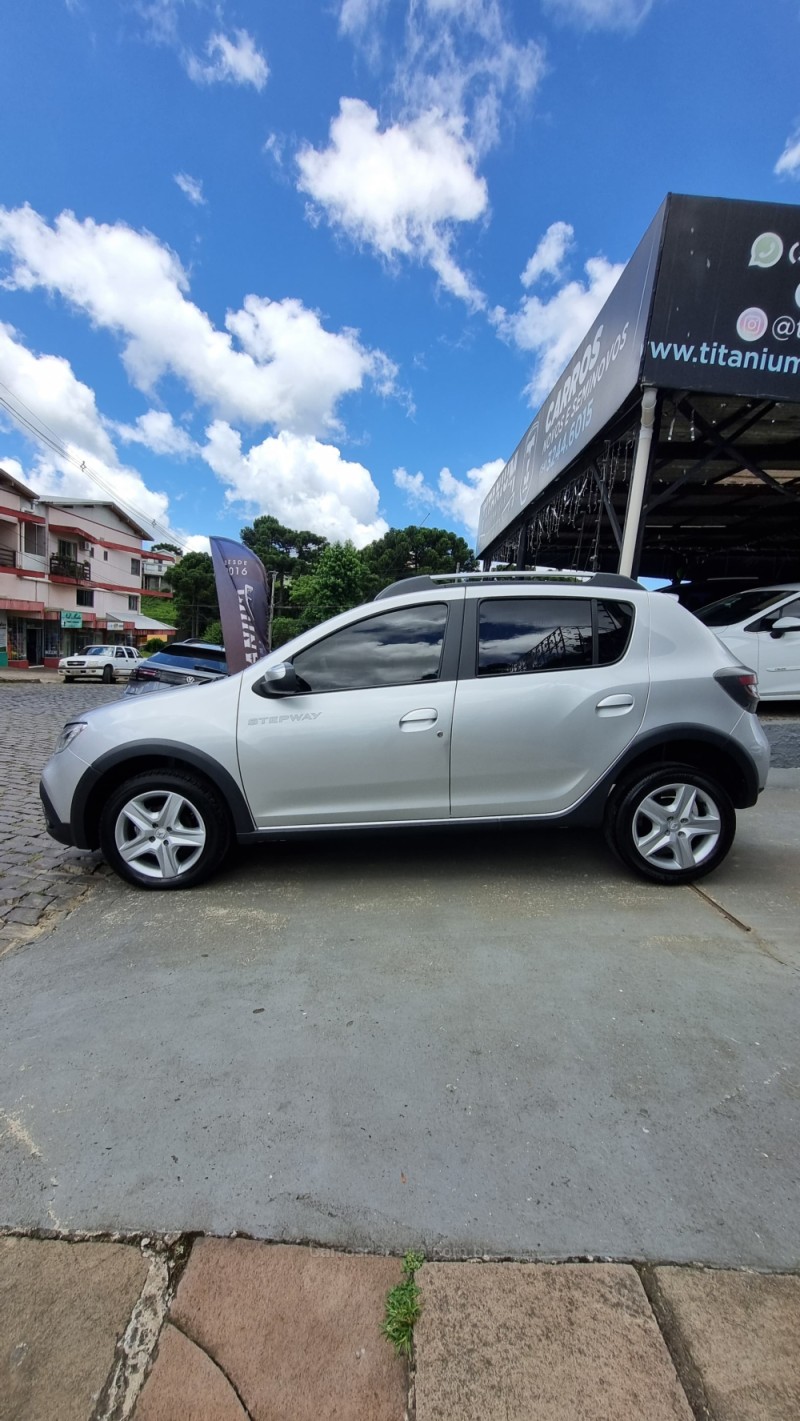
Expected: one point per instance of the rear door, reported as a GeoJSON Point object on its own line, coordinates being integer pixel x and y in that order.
{"type": "Point", "coordinates": [369, 739]}
{"type": "Point", "coordinates": [552, 690]}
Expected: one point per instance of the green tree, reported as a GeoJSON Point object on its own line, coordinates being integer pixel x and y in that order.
{"type": "Point", "coordinates": [166, 548]}
{"type": "Point", "coordinates": [213, 634]}
{"type": "Point", "coordinates": [339, 581]}
{"type": "Point", "coordinates": [195, 593]}
{"type": "Point", "coordinates": [412, 551]}
{"type": "Point", "coordinates": [288, 552]}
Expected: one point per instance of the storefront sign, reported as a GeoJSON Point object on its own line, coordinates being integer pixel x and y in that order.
{"type": "Point", "coordinates": [72, 619]}
{"type": "Point", "coordinates": [726, 314]}
{"type": "Point", "coordinates": [3, 631]}
{"type": "Point", "coordinates": [114, 626]}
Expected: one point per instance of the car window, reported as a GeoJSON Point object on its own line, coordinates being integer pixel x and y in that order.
{"type": "Point", "coordinates": [120, 653]}
{"type": "Point", "coordinates": [393, 649]}
{"type": "Point", "coordinates": [792, 609]}
{"type": "Point", "coordinates": [190, 658]}
{"type": "Point", "coordinates": [534, 634]}
{"type": "Point", "coordinates": [739, 607]}
{"type": "Point", "coordinates": [97, 651]}
{"type": "Point", "coordinates": [130, 653]}
{"type": "Point", "coordinates": [519, 635]}
{"type": "Point", "coordinates": [614, 627]}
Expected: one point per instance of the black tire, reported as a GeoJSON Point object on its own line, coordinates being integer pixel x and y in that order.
{"type": "Point", "coordinates": [68, 680]}
{"type": "Point", "coordinates": [694, 814]}
{"type": "Point", "coordinates": [191, 811]}
{"type": "Point", "coordinates": [108, 674]}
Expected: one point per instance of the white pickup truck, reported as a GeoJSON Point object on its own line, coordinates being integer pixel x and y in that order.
{"type": "Point", "coordinates": [100, 663]}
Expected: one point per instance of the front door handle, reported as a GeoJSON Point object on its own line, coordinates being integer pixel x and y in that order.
{"type": "Point", "coordinates": [419, 719]}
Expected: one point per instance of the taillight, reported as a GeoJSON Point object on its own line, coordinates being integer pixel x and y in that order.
{"type": "Point", "coordinates": [742, 686]}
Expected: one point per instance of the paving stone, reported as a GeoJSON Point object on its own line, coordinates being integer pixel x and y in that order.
{"type": "Point", "coordinates": [28, 916]}
{"type": "Point", "coordinates": [186, 1385]}
{"type": "Point", "coordinates": [296, 1329]}
{"type": "Point", "coordinates": [63, 1307]}
{"type": "Point", "coordinates": [742, 1333]}
{"type": "Point", "coordinates": [554, 1342]}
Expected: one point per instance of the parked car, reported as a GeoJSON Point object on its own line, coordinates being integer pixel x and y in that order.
{"type": "Point", "coordinates": [762, 627]}
{"type": "Point", "coordinates": [449, 700]}
{"type": "Point", "coordinates": [185, 663]}
{"type": "Point", "coordinates": [100, 663]}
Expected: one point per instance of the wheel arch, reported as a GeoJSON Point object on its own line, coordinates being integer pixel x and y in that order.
{"type": "Point", "coordinates": [117, 766]}
{"type": "Point", "coordinates": [707, 751]}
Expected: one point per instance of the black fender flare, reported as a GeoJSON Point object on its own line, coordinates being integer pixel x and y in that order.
{"type": "Point", "coordinates": [139, 752]}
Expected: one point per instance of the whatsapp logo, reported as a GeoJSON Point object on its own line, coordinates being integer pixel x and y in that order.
{"type": "Point", "coordinates": [766, 250]}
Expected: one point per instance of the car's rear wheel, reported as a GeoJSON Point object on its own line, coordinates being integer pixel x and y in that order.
{"type": "Point", "coordinates": [108, 673]}
{"type": "Point", "coordinates": [164, 829]}
{"type": "Point", "coordinates": [670, 824]}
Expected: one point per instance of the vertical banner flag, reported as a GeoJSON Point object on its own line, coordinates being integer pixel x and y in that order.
{"type": "Point", "coordinates": [243, 588]}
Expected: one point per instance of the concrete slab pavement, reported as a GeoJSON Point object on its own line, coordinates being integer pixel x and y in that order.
{"type": "Point", "coordinates": [263, 1332]}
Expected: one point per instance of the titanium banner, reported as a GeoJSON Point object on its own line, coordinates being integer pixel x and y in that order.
{"type": "Point", "coordinates": [243, 588]}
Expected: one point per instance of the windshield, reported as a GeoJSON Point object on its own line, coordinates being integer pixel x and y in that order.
{"type": "Point", "coordinates": [741, 606]}
{"type": "Point", "coordinates": [95, 651]}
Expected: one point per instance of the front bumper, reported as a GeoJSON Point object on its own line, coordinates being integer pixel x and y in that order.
{"type": "Point", "coordinates": [57, 830]}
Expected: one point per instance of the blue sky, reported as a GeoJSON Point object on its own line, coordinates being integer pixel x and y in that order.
{"type": "Point", "coordinates": [322, 260]}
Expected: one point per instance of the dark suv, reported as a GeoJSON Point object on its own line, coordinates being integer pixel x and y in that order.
{"type": "Point", "coordinates": [185, 663]}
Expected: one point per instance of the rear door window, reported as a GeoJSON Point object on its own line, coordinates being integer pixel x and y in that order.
{"type": "Point", "coordinates": [520, 636]}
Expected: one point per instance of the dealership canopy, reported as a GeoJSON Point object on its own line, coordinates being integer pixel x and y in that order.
{"type": "Point", "coordinates": [670, 445]}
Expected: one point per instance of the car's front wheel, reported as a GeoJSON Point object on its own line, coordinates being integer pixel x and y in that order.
{"type": "Point", "coordinates": [164, 829]}
{"type": "Point", "coordinates": [108, 673]}
{"type": "Point", "coordinates": [670, 824]}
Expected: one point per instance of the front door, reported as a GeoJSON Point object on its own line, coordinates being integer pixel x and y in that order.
{"type": "Point", "coordinates": [369, 740]}
{"type": "Point", "coordinates": [779, 656]}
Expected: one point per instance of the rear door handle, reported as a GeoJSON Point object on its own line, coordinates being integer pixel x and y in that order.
{"type": "Point", "coordinates": [419, 719]}
{"type": "Point", "coordinates": [614, 705]}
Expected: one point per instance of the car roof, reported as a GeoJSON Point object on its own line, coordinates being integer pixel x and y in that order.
{"type": "Point", "coordinates": [516, 581]}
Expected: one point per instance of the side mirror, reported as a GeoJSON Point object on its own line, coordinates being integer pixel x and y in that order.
{"type": "Point", "coordinates": [784, 624]}
{"type": "Point", "coordinates": [280, 680]}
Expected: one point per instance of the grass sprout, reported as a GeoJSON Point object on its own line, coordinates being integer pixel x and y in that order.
{"type": "Point", "coordinates": [403, 1307]}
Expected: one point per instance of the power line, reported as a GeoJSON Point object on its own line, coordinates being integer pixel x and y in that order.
{"type": "Point", "coordinates": [45, 435]}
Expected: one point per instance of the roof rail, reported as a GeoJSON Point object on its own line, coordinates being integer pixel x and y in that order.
{"type": "Point", "coordinates": [429, 582]}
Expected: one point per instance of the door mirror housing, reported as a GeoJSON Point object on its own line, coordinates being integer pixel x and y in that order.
{"type": "Point", "coordinates": [785, 624]}
{"type": "Point", "coordinates": [279, 680]}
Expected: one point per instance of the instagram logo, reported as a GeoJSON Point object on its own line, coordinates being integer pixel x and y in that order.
{"type": "Point", "coordinates": [752, 323]}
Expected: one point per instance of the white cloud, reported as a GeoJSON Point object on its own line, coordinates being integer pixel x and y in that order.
{"type": "Point", "coordinates": [400, 190]}
{"type": "Point", "coordinates": [788, 165]}
{"type": "Point", "coordinates": [65, 409]}
{"type": "Point", "coordinates": [196, 543]}
{"type": "Point", "coordinates": [356, 15]}
{"type": "Point", "coordinates": [549, 257]}
{"type": "Point", "coordinates": [159, 433]}
{"type": "Point", "coordinates": [461, 58]}
{"type": "Point", "coordinates": [290, 371]}
{"type": "Point", "coordinates": [297, 479]}
{"type": "Point", "coordinates": [602, 14]}
{"type": "Point", "coordinates": [191, 188]}
{"type": "Point", "coordinates": [553, 328]}
{"type": "Point", "coordinates": [460, 499]}
{"type": "Point", "coordinates": [230, 61]}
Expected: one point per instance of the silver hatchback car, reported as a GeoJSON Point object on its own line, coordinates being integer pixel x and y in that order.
{"type": "Point", "coordinates": [560, 698]}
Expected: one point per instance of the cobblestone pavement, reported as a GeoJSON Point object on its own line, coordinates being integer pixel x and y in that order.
{"type": "Point", "coordinates": [39, 876]}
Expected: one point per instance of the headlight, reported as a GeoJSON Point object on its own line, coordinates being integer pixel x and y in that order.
{"type": "Point", "coordinates": [68, 734]}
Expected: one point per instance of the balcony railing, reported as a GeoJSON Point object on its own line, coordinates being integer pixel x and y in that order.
{"type": "Point", "coordinates": [8, 557]}
{"type": "Point", "coordinates": [65, 567]}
